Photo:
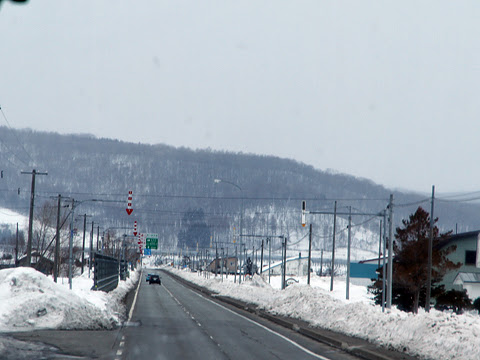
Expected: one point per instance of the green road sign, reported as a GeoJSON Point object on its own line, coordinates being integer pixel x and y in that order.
{"type": "Point", "coordinates": [151, 241]}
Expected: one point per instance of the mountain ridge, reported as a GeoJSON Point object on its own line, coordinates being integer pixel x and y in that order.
{"type": "Point", "coordinates": [169, 181]}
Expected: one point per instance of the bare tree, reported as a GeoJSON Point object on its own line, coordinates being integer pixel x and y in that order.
{"type": "Point", "coordinates": [44, 227]}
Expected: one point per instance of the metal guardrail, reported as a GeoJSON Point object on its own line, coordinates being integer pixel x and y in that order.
{"type": "Point", "coordinates": [106, 273]}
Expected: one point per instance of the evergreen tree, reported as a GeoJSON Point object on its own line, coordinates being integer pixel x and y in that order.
{"type": "Point", "coordinates": [194, 230]}
{"type": "Point", "coordinates": [410, 263]}
{"type": "Point", "coordinates": [454, 300]}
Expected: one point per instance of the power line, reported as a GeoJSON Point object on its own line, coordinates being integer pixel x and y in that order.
{"type": "Point", "coordinates": [16, 137]}
{"type": "Point", "coordinates": [210, 197]}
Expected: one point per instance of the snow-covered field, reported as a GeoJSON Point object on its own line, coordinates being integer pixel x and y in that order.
{"type": "Point", "coordinates": [31, 301]}
{"type": "Point", "coordinates": [435, 335]}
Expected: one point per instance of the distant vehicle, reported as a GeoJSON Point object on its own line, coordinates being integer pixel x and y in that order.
{"type": "Point", "coordinates": [147, 279]}
{"type": "Point", "coordinates": [155, 279]}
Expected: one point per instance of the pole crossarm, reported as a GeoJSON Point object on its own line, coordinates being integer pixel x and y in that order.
{"type": "Point", "coordinates": [264, 236]}
{"type": "Point", "coordinates": [380, 214]}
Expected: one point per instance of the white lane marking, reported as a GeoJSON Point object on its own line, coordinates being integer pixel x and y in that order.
{"type": "Point", "coordinates": [253, 322]}
{"type": "Point", "coordinates": [135, 298]}
{"type": "Point", "coordinates": [266, 328]}
{"type": "Point", "coordinates": [119, 353]}
{"type": "Point", "coordinates": [122, 343]}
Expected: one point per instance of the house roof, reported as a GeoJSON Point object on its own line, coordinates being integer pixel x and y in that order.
{"type": "Point", "coordinates": [459, 237]}
{"type": "Point", "coordinates": [464, 277]}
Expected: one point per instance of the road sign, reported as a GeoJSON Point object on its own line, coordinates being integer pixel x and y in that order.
{"type": "Point", "coordinates": [151, 241]}
{"type": "Point", "coordinates": [147, 252]}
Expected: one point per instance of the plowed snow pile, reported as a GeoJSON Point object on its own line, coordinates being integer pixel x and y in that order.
{"type": "Point", "coordinates": [30, 300]}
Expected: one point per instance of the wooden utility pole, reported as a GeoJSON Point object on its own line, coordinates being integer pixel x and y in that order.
{"type": "Point", "coordinates": [261, 260]}
{"type": "Point", "coordinates": [309, 254]}
{"type": "Point", "coordinates": [90, 258]}
{"type": "Point", "coordinates": [83, 243]}
{"type": "Point", "coordinates": [16, 248]}
{"type": "Point", "coordinates": [98, 235]}
{"type": "Point", "coordinates": [380, 245]}
{"type": "Point", "coordinates": [269, 240]}
{"type": "Point", "coordinates": [430, 251]}
{"type": "Point", "coordinates": [284, 255]}
{"type": "Point", "coordinates": [390, 252]}
{"type": "Point", "coordinates": [30, 218]}
{"type": "Point", "coordinates": [384, 267]}
{"type": "Point", "coordinates": [347, 296]}
{"type": "Point", "coordinates": [56, 257]}
{"type": "Point", "coordinates": [70, 246]}
{"type": "Point", "coordinates": [333, 246]}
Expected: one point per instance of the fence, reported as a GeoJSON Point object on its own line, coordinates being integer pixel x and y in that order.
{"type": "Point", "coordinates": [106, 273]}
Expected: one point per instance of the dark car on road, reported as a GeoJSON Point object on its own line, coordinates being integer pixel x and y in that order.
{"type": "Point", "coordinates": [155, 279]}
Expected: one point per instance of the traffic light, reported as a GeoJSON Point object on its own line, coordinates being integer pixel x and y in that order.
{"type": "Point", "coordinates": [304, 211]}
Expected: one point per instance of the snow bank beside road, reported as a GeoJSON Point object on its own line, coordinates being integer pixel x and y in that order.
{"type": "Point", "coordinates": [31, 301]}
{"type": "Point", "coordinates": [435, 335]}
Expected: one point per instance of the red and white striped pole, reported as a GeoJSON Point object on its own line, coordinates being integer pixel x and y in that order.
{"type": "Point", "coordinates": [129, 203]}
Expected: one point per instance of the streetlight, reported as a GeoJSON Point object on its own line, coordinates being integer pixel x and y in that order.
{"type": "Point", "coordinates": [217, 181]}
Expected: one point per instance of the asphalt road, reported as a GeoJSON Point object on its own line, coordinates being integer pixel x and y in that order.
{"type": "Point", "coordinates": [170, 321]}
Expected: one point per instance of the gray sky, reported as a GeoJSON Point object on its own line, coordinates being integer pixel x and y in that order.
{"type": "Point", "coordinates": [385, 90]}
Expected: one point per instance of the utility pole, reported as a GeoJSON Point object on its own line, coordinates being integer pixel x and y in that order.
{"type": "Point", "coordinates": [390, 253]}
{"type": "Point", "coordinates": [269, 240]}
{"type": "Point", "coordinates": [30, 218]}
{"type": "Point", "coordinates": [384, 267]}
{"type": "Point", "coordinates": [56, 256]}
{"type": "Point", "coordinates": [221, 264]}
{"type": "Point", "coordinates": [254, 257]}
{"type": "Point", "coordinates": [216, 259]}
{"type": "Point", "coordinates": [91, 252]}
{"type": "Point", "coordinates": [348, 252]}
{"type": "Point", "coordinates": [285, 262]}
{"type": "Point", "coordinates": [430, 251]}
{"type": "Point", "coordinates": [124, 248]}
{"type": "Point", "coordinates": [98, 235]}
{"type": "Point", "coordinates": [321, 262]}
{"type": "Point", "coordinates": [380, 245]}
{"type": "Point", "coordinates": [83, 244]}
{"type": "Point", "coordinates": [16, 248]}
{"type": "Point", "coordinates": [70, 245]}
{"type": "Point", "coordinates": [333, 248]}
{"type": "Point", "coordinates": [240, 262]}
{"type": "Point", "coordinates": [261, 260]}
{"type": "Point", "coordinates": [236, 266]}
{"type": "Point", "coordinates": [309, 254]}
{"type": "Point", "coordinates": [244, 261]}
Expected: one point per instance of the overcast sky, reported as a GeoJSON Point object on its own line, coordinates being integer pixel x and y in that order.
{"type": "Point", "coordinates": [385, 90]}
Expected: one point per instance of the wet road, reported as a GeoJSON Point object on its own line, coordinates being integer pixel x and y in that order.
{"type": "Point", "coordinates": [171, 321]}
